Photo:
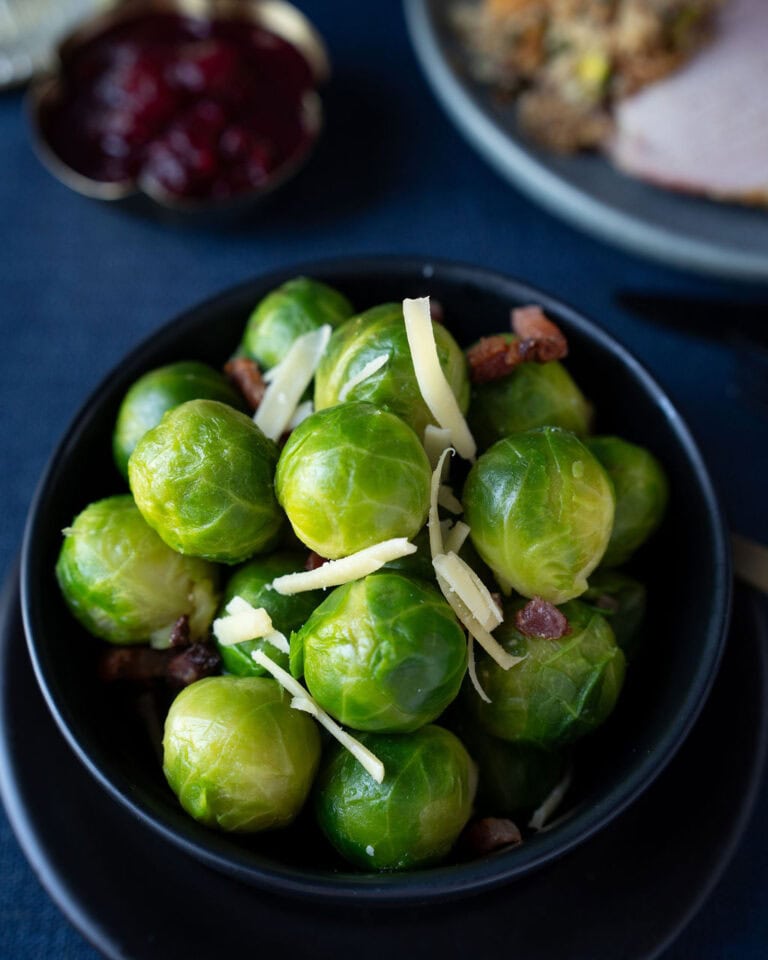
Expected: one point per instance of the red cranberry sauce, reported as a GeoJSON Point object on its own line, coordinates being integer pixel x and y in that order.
{"type": "Point", "coordinates": [194, 108]}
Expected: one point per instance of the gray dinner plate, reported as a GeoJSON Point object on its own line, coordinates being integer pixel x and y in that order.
{"type": "Point", "coordinates": [682, 231]}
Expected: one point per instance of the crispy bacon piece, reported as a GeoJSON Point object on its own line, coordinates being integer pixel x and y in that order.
{"type": "Point", "coordinates": [538, 341]}
{"type": "Point", "coordinates": [177, 667]}
{"type": "Point", "coordinates": [489, 834]}
{"type": "Point", "coordinates": [180, 635]}
{"type": "Point", "coordinates": [492, 358]}
{"type": "Point", "coordinates": [539, 618]}
{"type": "Point", "coordinates": [314, 560]}
{"type": "Point", "coordinates": [541, 340]}
{"type": "Point", "coordinates": [245, 374]}
{"type": "Point", "coordinates": [193, 663]}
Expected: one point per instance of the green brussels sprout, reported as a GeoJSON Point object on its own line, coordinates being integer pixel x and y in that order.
{"type": "Point", "coordinates": [540, 509]}
{"type": "Point", "coordinates": [533, 395]}
{"type": "Point", "coordinates": [384, 653]}
{"type": "Point", "coordinates": [124, 584]}
{"type": "Point", "coordinates": [641, 492]}
{"type": "Point", "coordinates": [563, 688]}
{"type": "Point", "coordinates": [237, 755]}
{"type": "Point", "coordinates": [513, 778]}
{"type": "Point", "coordinates": [351, 476]}
{"type": "Point", "coordinates": [203, 479]}
{"type": "Point", "coordinates": [393, 387]}
{"type": "Point", "coordinates": [621, 600]}
{"type": "Point", "coordinates": [297, 307]}
{"type": "Point", "coordinates": [414, 816]}
{"type": "Point", "coordinates": [288, 613]}
{"type": "Point", "coordinates": [159, 391]}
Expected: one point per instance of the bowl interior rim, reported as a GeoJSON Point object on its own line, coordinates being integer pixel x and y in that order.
{"type": "Point", "coordinates": [445, 881]}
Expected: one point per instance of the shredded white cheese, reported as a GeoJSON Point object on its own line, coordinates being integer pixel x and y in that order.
{"type": "Point", "coordinates": [454, 539]}
{"type": "Point", "coordinates": [466, 583]}
{"type": "Point", "coordinates": [436, 439]}
{"type": "Point", "coordinates": [472, 670]}
{"type": "Point", "coordinates": [462, 592]}
{"type": "Point", "coordinates": [550, 803]}
{"type": "Point", "coordinates": [243, 622]}
{"type": "Point", "coordinates": [448, 499]}
{"type": "Point", "coordinates": [435, 530]}
{"type": "Point", "coordinates": [288, 380]}
{"type": "Point", "coordinates": [368, 371]}
{"type": "Point", "coordinates": [433, 385]}
{"type": "Point", "coordinates": [302, 700]}
{"type": "Point", "coordinates": [369, 850]}
{"type": "Point", "coordinates": [354, 567]}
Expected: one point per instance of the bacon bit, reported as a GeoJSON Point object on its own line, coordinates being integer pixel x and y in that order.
{"type": "Point", "coordinates": [492, 358]}
{"type": "Point", "coordinates": [541, 340]}
{"type": "Point", "coordinates": [539, 618]}
{"type": "Point", "coordinates": [179, 668]}
{"type": "Point", "coordinates": [489, 834]}
{"type": "Point", "coordinates": [314, 560]}
{"type": "Point", "coordinates": [245, 374]}
{"type": "Point", "coordinates": [192, 664]}
{"type": "Point", "coordinates": [180, 634]}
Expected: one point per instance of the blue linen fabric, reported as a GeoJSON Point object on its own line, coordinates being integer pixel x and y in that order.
{"type": "Point", "coordinates": [81, 283]}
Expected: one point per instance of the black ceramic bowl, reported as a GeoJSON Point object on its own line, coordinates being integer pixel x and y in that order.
{"type": "Point", "coordinates": [686, 568]}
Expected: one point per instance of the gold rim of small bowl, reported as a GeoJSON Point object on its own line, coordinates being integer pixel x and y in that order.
{"type": "Point", "coordinates": [276, 16]}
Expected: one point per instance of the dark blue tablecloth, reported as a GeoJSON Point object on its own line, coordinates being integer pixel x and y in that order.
{"type": "Point", "coordinates": [81, 283]}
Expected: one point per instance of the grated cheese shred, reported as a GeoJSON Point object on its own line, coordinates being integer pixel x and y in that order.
{"type": "Point", "coordinates": [287, 381]}
{"type": "Point", "coordinates": [302, 700]}
{"type": "Point", "coordinates": [550, 803]}
{"type": "Point", "coordinates": [454, 539]}
{"type": "Point", "coordinates": [436, 439]}
{"type": "Point", "coordinates": [433, 385]}
{"type": "Point", "coordinates": [335, 572]}
{"type": "Point", "coordinates": [242, 622]}
{"type": "Point", "coordinates": [435, 530]}
{"type": "Point", "coordinates": [472, 669]}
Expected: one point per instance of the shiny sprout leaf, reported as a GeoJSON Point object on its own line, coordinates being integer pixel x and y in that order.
{"type": "Point", "coordinates": [414, 816]}
{"type": "Point", "coordinates": [352, 476]}
{"type": "Point", "coordinates": [203, 479]}
{"type": "Point", "coordinates": [540, 508]}
{"type": "Point", "coordinates": [236, 754]}
{"type": "Point", "coordinates": [124, 584]}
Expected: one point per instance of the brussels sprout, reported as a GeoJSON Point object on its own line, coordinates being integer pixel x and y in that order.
{"type": "Point", "coordinates": [237, 755]}
{"type": "Point", "coordinates": [540, 509]}
{"type": "Point", "coordinates": [159, 391]}
{"type": "Point", "coordinates": [351, 476]}
{"type": "Point", "coordinates": [203, 479]}
{"type": "Point", "coordinates": [513, 778]}
{"type": "Point", "coordinates": [621, 600]}
{"type": "Point", "coordinates": [563, 688]}
{"type": "Point", "coordinates": [288, 613]}
{"type": "Point", "coordinates": [393, 387]}
{"type": "Point", "coordinates": [533, 395]}
{"type": "Point", "coordinates": [297, 307]}
{"type": "Point", "coordinates": [414, 816]}
{"type": "Point", "coordinates": [124, 584]}
{"type": "Point", "coordinates": [384, 653]}
{"type": "Point", "coordinates": [641, 494]}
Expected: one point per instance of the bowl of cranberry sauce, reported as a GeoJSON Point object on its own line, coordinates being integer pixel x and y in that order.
{"type": "Point", "coordinates": [191, 104]}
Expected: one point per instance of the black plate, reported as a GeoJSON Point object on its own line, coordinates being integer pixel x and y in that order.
{"type": "Point", "coordinates": [686, 570]}
{"type": "Point", "coordinates": [135, 896]}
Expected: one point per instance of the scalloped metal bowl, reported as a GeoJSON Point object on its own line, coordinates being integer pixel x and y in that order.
{"type": "Point", "coordinates": [280, 18]}
{"type": "Point", "coordinates": [686, 568]}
